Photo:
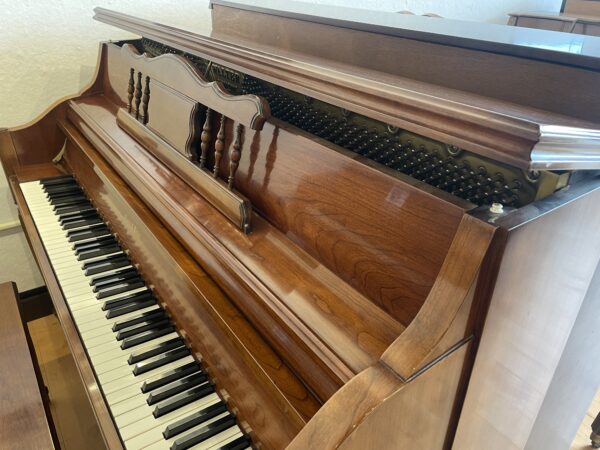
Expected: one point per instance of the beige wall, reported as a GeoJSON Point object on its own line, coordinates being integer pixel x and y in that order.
{"type": "Point", "coordinates": [48, 50]}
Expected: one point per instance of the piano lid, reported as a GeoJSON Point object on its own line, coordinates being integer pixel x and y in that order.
{"type": "Point", "coordinates": [481, 87]}
{"type": "Point", "coordinates": [551, 46]}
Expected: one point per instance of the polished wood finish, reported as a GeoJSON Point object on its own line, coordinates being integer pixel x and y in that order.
{"type": "Point", "coordinates": [533, 313]}
{"type": "Point", "coordinates": [234, 206]}
{"type": "Point", "coordinates": [412, 350]}
{"type": "Point", "coordinates": [326, 347]}
{"type": "Point", "coordinates": [262, 389]}
{"type": "Point", "coordinates": [352, 316]}
{"type": "Point", "coordinates": [505, 127]}
{"type": "Point", "coordinates": [25, 421]}
{"type": "Point", "coordinates": [177, 72]}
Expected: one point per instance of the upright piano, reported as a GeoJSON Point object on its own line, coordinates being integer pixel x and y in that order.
{"type": "Point", "coordinates": [324, 228]}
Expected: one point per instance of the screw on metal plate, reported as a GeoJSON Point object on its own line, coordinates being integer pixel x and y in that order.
{"type": "Point", "coordinates": [497, 208]}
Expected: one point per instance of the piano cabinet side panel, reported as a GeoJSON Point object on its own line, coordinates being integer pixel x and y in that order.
{"type": "Point", "coordinates": [377, 410]}
{"type": "Point", "coordinates": [40, 140]}
{"type": "Point", "coordinates": [544, 276]}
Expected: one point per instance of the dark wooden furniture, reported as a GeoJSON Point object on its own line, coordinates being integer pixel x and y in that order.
{"type": "Point", "coordinates": [328, 227]}
{"type": "Point", "coordinates": [25, 420]}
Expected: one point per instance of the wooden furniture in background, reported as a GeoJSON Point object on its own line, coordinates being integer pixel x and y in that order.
{"type": "Point", "coordinates": [564, 22]}
{"type": "Point", "coordinates": [392, 205]}
{"type": "Point", "coordinates": [25, 420]}
{"type": "Point", "coordinates": [582, 7]}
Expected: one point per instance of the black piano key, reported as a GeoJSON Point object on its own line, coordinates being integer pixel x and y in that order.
{"type": "Point", "coordinates": [148, 325]}
{"type": "Point", "coordinates": [81, 215]}
{"type": "Point", "coordinates": [159, 361]}
{"type": "Point", "coordinates": [52, 181]}
{"type": "Point", "coordinates": [142, 355]}
{"type": "Point", "coordinates": [84, 228]}
{"type": "Point", "coordinates": [81, 223]}
{"type": "Point", "coordinates": [68, 200]}
{"type": "Point", "coordinates": [84, 210]}
{"type": "Point", "coordinates": [103, 279]}
{"type": "Point", "coordinates": [148, 316]}
{"type": "Point", "coordinates": [204, 433]}
{"type": "Point", "coordinates": [182, 399]}
{"type": "Point", "coordinates": [86, 234]}
{"type": "Point", "coordinates": [176, 387]}
{"type": "Point", "coordinates": [72, 208]}
{"type": "Point", "coordinates": [95, 252]}
{"type": "Point", "coordinates": [115, 278]}
{"type": "Point", "coordinates": [54, 198]}
{"type": "Point", "coordinates": [99, 242]}
{"type": "Point", "coordinates": [146, 336]}
{"type": "Point", "coordinates": [170, 376]}
{"type": "Point", "coordinates": [131, 307]}
{"type": "Point", "coordinates": [240, 443]}
{"type": "Point", "coordinates": [120, 288]}
{"type": "Point", "coordinates": [110, 263]}
{"type": "Point", "coordinates": [138, 297]}
{"type": "Point", "coordinates": [60, 188]}
{"type": "Point", "coordinates": [64, 188]}
{"type": "Point", "coordinates": [194, 419]}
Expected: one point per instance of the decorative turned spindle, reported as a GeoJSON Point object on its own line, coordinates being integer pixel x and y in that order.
{"type": "Point", "coordinates": [205, 138]}
{"type": "Point", "coordinates": [234, 155]}
{"type": "Point", "coordinates": [130, 89]}
{"type": "Point", "coordinates": [145, 101]}
{"type": "Point", "coordinates": [138, 95]}
{"type": "Point", "coordinates": [219, 146]}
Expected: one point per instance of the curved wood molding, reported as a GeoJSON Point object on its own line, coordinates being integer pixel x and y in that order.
{"type": "Point", "coordinates": [409, 352]}
{"type": "Point", "coordinates": [499, 130]}
{"type": "Point", "coordinates": [176, 71]}
{"type": "Point", "coordinates": [340, 415]}
{"type": "Point", "coordinates": [565, 148]}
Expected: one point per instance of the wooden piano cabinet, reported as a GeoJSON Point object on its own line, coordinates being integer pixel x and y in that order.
{"type": "Point", "coordinates": [25, 420]}
{"type": "Point", "coordinates": [538, 366]}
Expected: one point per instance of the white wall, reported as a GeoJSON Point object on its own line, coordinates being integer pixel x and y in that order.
{"type": "Point", "coordinates": [48, 50]}
{"type": "Point", "coordinates": [479, 10]}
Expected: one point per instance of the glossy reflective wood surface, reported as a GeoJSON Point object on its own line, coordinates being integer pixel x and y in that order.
{"type": "Point", "coordinates": [25, 420]}
{"type": "Point", "coordinates": [326, 330]}
{"type": "Point", "coordinates": [261, 388]}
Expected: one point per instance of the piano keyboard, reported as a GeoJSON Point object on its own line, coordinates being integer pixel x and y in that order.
{"type": "Point", "coordinates": [159, 396]}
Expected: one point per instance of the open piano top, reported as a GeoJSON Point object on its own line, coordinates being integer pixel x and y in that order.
{"type": "Point", "coordinates": [319, 231]}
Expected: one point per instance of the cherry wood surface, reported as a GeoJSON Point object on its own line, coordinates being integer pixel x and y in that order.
{"type": "Point", "coordinates": [313, 319]}
{"type": "Point", "coordinates": [309, 191]}
{"type": "Point", "coordinates": [266, 394]}
{"type": "Point", "coordinates": [103, 417]}
{"type": "Point", "coordinates": [504, 125]}
{"type": "Point", "coordinates": [25, 420]}
{"type": "Point", "coordinates": [455, 281]}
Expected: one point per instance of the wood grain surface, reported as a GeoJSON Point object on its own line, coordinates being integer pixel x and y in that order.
{"type": "Point", "coordinates": [25, 420]}
{"type": "Point", "coordinates": [264, 392]}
